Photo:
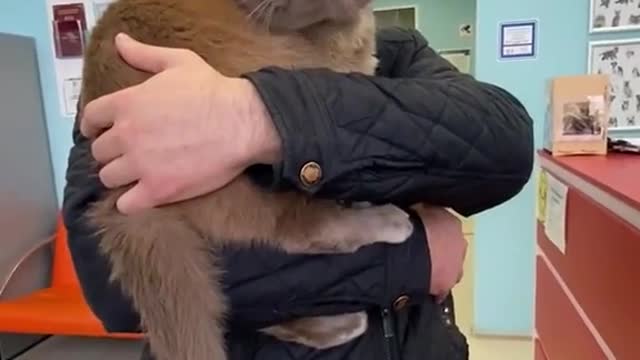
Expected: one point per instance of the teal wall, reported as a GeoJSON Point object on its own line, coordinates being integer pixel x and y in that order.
{"type": "Point", "coordinates": [29, 18]}
{"type": "Point", "coordinates": [505, 236]}
{"type": "Point", "coordinates": [438, 20]}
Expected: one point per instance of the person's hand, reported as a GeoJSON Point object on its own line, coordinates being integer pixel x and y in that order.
{"type": "Point", "coordinates": [292, 15]}
{"type": "Point", "coordinates": [186, 131]}
{"type": "Point", "coordinates": [447, 247]}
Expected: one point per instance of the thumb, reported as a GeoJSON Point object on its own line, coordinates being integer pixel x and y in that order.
{"type": "Point", "coordinates": [135, 200]}
{"type": "Point", "coordinates": [146, 57]}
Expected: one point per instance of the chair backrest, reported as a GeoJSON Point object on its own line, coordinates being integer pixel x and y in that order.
{"type": "Point", "coordinates": [63, 272]}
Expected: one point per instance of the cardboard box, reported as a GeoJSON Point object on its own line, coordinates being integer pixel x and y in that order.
{"type": "Point", "coordinates": [577, 115]}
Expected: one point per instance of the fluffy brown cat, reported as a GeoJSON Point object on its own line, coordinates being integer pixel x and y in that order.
{"type": "Point", "coordinates": [161, 256]}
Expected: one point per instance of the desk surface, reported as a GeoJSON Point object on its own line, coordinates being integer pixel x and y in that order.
{"type": "Point", "coordinates": [618, 174]}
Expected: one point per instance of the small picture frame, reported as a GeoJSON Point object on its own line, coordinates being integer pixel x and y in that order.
{"type": "Point", "coordinates": [619, 60]}
{"type": "Point", "coordinates": [577, 113]}
{"type": "Point", "coordinates": [613, 15]}
{"type": "Point", "coordinates": [518, 40]}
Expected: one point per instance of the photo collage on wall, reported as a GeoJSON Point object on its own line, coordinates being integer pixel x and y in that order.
{"type": "Point", "coordinates": [618, 59]}
{"type": "Point", "coordinates": [621, 62]}
{"type": "Point", "coordinates": [614, 15]}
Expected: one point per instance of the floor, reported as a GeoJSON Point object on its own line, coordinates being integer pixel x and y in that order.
{"type": "Point", "coordinates": [483, 348]}
{"type": "Point", "coordinates": [82, 349]}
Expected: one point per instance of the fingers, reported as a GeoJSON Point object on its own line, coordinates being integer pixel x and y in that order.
{"type": "Point", "coordinates": [97, 116]}
{"type": "Point", "coordinates": [118, 172]}
{"type": "Point", "coordinates": [136, 199]}
{"type": "Point", "coordinates": [107, 147]}
{"type": "Point", "coordinates": [149, 58]}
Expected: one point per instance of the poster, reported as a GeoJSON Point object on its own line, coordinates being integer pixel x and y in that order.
{"type": "Point", "coordinates": [70, 25]}
{"type": "Point", "coordinates": [71, 93]}
{"type": "Point", "coordinates": [620, 60]}
{"type": "Point", "coordinates": [541, 198]}
{"type": "Point", "coordinates": [556, 212]}
{"type": "Point", "coordinates": [614, 15]}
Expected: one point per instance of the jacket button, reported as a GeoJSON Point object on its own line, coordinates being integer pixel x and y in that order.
{"type": "Point", "coordinates": [311, 173]}
{"type": "Point", "coordinates": [401, 302]}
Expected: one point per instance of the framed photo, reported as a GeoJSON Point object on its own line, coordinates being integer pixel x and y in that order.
{"type": "Point", "coordinates": [614, 15]}
{"type": "Point", "coordinates": [620, 61]}
{"type": "Point", "coordinates": [577, 114]}
{"type": "Point", "coordinates": [402, 16]}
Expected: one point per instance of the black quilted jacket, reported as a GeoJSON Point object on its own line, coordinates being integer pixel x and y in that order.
{"type": "Point", "coordinates": [421, 131]}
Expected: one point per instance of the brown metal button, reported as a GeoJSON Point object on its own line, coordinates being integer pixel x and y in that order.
{"type": "Point", "coordinates": [310, 173]}
{"type": "Point", "coordinates": [401, 302]}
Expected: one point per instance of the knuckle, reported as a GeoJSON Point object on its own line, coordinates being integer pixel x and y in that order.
{"type": "Point", "coordinates": [186, 54]}
{"type": "Point", "coordinates": [124, 132]}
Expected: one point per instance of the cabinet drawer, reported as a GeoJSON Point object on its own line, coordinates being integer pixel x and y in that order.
{"type": "Point", "coordinates": [538, 351]}
{"type": "Point", "coordinates": [560, 328]}
{"type": "Point", "coordinates": [601, 269]}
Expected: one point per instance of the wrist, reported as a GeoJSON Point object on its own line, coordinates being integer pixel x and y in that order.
{"type": "Point", "coordinates": [264, 143]}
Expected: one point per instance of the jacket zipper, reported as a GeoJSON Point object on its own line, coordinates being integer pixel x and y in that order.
{"type": "Point", "coordinates": [389, 335]}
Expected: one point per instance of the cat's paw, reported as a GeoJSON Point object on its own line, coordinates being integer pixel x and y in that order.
{"type": "Point", "coordinates": [387, 223]}
{"type": "Point", "coordinates": [322, 332]}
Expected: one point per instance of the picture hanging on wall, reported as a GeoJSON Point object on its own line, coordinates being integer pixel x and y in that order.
{"type": "Point", "coordinates": [620, 60]}
{"type": "Point", "coordinates": [614, 15]}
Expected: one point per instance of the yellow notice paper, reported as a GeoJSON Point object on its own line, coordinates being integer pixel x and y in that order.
{"type": "Point", "coordinates": [556, 211]}
{"type": "Point", "coordinates": [541, 200]}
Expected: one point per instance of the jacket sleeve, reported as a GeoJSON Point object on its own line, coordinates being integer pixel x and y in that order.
{"type": "Point", "coordinates": [421, 132]}
{"type": "Point", "coordinates": [264, 286]}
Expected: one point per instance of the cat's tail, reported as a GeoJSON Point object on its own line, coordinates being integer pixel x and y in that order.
{"type": "Point", "coordinates": [169, 273]}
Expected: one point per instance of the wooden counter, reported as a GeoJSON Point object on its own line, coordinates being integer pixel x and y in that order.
{"type": "Point", "coordinates": [588, 298]}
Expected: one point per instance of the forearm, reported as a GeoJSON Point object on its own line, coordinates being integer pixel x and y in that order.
{"type": "Point", "coordinates": [404, 156]}
{"type": "Point", "coordinates": [432, 134]}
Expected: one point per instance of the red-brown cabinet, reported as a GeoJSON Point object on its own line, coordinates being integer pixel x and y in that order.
{"type": "Point", "coordinates": [588, 298]}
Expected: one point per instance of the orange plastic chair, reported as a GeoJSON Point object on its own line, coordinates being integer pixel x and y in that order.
{"type": "Point", "coordinates": [59, 309]}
